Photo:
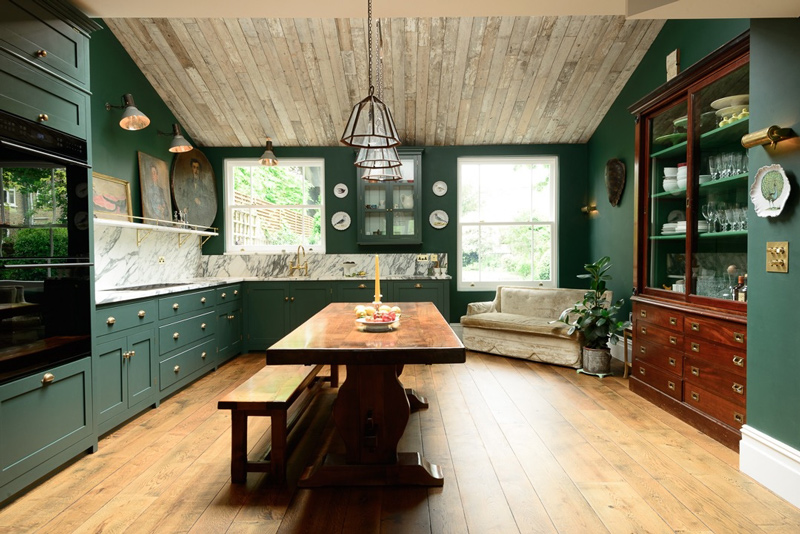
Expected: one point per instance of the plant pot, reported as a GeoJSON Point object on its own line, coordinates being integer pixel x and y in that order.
{"type": "Point", "coordinates": [596, 361]}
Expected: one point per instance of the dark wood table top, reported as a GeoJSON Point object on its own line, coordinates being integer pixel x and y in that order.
{"type": "Point", "coordinates": [332, 337]}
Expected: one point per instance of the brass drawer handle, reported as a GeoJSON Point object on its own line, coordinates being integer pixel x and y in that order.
{"type": "Point", "coordinates": [738, 361]}
{"type": "Point", "coordinates": [642, 371]}
{"type": "Point", "coordinates": [177, 369]}
{"type": "Point", "coordinates": [110, 321]}
{"type": "Point", "coordinates": [48, 378]}
{"type": "Point", "coordinates": [175, 306]}
{"type": "Point", "coordinates": [695, 327]}
{"type": "Point", "coordinates": [231, 317]}
{"type": "Point", "coordinates": [672, 362]}
{"type": "Point", "coordinates": [673, 321]}
{"type": "Point", "coordinates": [673, 340]}
{"type": "Point", "coordinates": [738, 337]}
{"type": "Point", "coordinates": [41, 53]}
{"type": "Point", "coordinates": [362, 286]}
{"type": "Point", "coordinates": [235, 292]}
{"type": "Point", "coordinates": [643, 350]}
{"type": "Point", "coordinates": [223, 295]}
{"type": "Point", "coordinates": [203, 326]}
{"type": "Point", "coordinates": [176, 335]}
{"type": "Point", "coordinates": [203, 355]}
{"type": "Point", "coordinates": [671, 385]}
{"type": "Point", "coordinates": [203, 300]}
{"type": "Point", "coordinates": [417, 286]}
{"type": "Point", "coordinates": [141, 314]}
{"type": "Point", "coordinates": [286, 299]}
{"type": "Point", "coordinates": [695, 371]}
{"type": "Point", "coordinates": [643, 330]}
{"type": "Point", "coordinates": [43, 117]}
{"type": "Point", "coordinates": [739, 418]}
{"type": "Point", "coordinates": [695, 396]}
{"type": "Point", "coordinates": [738, 388]}
{"type": "Point", "coordinates": [643, 313]}
{"type": "Point", "coordinates": [695, 347]}
{"type": "Point", "coordinates": [291, 299]}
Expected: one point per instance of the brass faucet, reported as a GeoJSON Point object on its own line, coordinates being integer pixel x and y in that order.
{"type": "Point", "coordinates": [296, 265]}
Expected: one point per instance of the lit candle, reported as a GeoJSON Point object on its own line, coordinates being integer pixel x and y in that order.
{"type": "Point", "coordinates": [377, 280]}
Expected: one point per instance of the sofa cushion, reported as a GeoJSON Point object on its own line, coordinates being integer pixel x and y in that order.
{"type": "Point", "coordinates": [542, 303]}
{"type": "Point", "coordinates": [518, 323]}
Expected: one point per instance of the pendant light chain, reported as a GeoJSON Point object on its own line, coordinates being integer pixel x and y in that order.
{"type": "Point", "coordinates": [369, 42]}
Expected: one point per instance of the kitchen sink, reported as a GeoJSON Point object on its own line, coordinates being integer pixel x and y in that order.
{"type": "Point", "coordinates": [149, 287]}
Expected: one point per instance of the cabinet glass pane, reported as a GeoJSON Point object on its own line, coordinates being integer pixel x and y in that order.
{"type": "Point", "coordinates": [374, 223]}
{"type": "Point", "coordinates": [375, 197]}
{"type": "Point", "coordinates": [402, 222]}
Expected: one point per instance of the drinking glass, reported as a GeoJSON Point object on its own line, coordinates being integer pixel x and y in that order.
{"type": "Point", "coordinates": [713, 166]}
{"type": "Point", "coordinates": [743, 218]}
{"type": "Point", "coordinates": [732, 215]}
{"type": "Point", "coordinates": [720, 215]}
{"type": "Point", "coordinates": [707, 210]}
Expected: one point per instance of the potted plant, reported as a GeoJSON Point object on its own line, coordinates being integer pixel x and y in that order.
{"type": "Point", "coordinates": [596, 318]}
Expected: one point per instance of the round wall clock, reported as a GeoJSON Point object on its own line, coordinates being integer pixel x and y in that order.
{"type": "Point", "coordinates": [340, 220]}
{"type": "Point", "coordinates": [340, 190]}
{"type": "Point", "coordinates": [439, 188]}
{"type": "Point", "coordinates": [439, 219]}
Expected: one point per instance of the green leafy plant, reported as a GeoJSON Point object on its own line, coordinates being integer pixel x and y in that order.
{"type": "Point", "coordinates": [595, 316]}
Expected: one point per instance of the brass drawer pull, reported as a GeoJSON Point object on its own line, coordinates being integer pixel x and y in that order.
{"type": "Point", "coordinates": [203, 355]}
{"type": "Point", "coordinates": [673, 321]}
{"type": "Point", "coordinates": [695, 371]}
{"type": "Point", "coordinates": [739, 418]}
{"type": "Point", "coordinates": [291, 299]}
{"type": "Point", "coordinates": [141, 314]}
{"type": "Point", "coordinates": [672, 362]}
{"type": "Point", "coordinates": [695, 396]}
{"type": "Point", "coordinates": [695, 327]}
{"type": "Point", "coordinates": [223, 295]}
{"type": "Point", "coordinates": [671, 385]}
{"type": "Point", "coordinates": [126, 355]}
{"type": "Point", "coordinates": [177, 369]}
{"type": "Point", "coordinates": [643, 330]}
{"type": "Point", "coordinates": [286, 299]}
{"type": "Point", "coordinates": [643, 313]}
{"type": "Point", "coordinates": [231, 317]}
{"type": "Point", "coordinates": [738, 337]}
{"type": "Point", "coordinates": [738, 361]}
{"type": "Point", "coordinates": [642, 371]}
{"type": "Point", "coordinates": [176, 335]}
{"type": "Point", "coordinates": [41, 53]}
{"type": "Point", "coordinates": [417, 286]}
{"type": "Point", "coordinates": [203, 326]}
{"type": "Point", "coordinates": [43, 117]}
{"type": "Point", "coordinates": [643, 350]}
{"type": "Point", "coordinates": [175, 306]}
{"type": "Point", "coordinates": [235, 292]}
{"type": "Point", "coordinates": [695, 347]}
{"type": "Point", "coordinates": [203, 300]}
{"type": "Point", "coordinates": [738, 388]}
{"type": "Point", "coordinates": [110, 321]}
{"type": "Point", "coordinates": [362, 286]}
{"type": "Point", "coordinates": [48, 378]}
{"type": "Point", "coordinates": [673, 340]}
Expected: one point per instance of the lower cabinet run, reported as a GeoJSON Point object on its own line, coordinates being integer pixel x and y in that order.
{"type": "Point", "coordinates": [693, 365]}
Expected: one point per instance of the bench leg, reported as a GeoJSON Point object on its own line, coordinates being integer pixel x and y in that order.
{"type": "Point", "coordinates": [238, 447]}
{"type": "Point", "coordinates": [277, 460]}
{"type": "Point", "coordinates": [334, 376]}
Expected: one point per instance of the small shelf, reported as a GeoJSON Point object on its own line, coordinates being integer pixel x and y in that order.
{"type": "Point", "coordinates": [731, 182]}
{"type": "Point", "coordinates": [729, 233]}
{"type": "Point", "coordinates": [671, 237]}
{"type": "Point", "coordinates": [675, 150]}
{"type": "Point", "coordinates": [143, 230]}
{"type": "Point", "coordinates": [667, 195]}
{"type": "Point", "coordinates": [726, 135]}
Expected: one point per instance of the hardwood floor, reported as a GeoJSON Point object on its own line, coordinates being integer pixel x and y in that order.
{"type": "Point", "coordinates": [524, 448]}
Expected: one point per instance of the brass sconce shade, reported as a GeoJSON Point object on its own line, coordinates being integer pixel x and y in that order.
{"type": "Point", "coordinates": [268, 157]}
{"type": "Point", "coordinates": [378, 158]}
{"type": "Point", "coordinates": [132, 118]}
{"type": "Point", "coordinates": [589, 209]}
{"type": "Point", "coordinates": [389, 174]}
{"type": "Point", "coordinates": [179, 143]}
{"type": "Point", "coordinates": [772, 135]}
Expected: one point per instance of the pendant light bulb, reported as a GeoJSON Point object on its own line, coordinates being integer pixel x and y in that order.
{"type": "Point", "coordinates": [268, 157]}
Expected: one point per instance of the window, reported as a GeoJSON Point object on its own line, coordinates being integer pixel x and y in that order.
{"type": "Point", "coordinates": [507, 222]}
{"type": "Point", "coordinates": [10, 197]}
{"type": "Point", "coordinates": [269, 209]}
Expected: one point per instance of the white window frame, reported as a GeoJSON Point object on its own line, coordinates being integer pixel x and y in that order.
{"type": "Point", "coordinates": [10, 193]}
{"type": "Point", "coordinates": [230, 247]}
{"type": "Point", "coordinates": [553, 161]}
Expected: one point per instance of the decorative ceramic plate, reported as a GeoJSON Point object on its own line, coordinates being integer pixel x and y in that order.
{"type": "Point", "coordinates": [340, 190]}
{"type": "Point", "coordinates": [769, 191]}
{"type": "Point", "coordinates": [439, 188]}
{"type": "Point", "coordinates": [681, 122]}
{"type": "Point", "coordinates": [730, 111]}
{"type": "Point", "coordinates": [340, 220]}
{"type": "Point", "coordinates": [369, 326]}
{"type": "Point", "coordinates": [670, 139]}
{"type": "Point", "coordinates": [675, 216]}
{"type": "Point", "coordinates": [735, 100]}
{"type": "Point", "coordinates": [438, 219]}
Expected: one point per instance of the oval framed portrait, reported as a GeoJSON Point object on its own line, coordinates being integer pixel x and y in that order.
{"type": "Point", "coordinates": [194, 187]}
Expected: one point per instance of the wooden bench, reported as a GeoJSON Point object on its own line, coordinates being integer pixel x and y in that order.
{"type": "Point", "coordinates": [282, 393]}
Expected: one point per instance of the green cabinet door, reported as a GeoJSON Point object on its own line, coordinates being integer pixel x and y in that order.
{"type": "Point", "coordinates": [423, 291]}
{"type": "Point", "coordinates": [266, 320]}
{"type": "Point", "coordinates": [141, 368]}
{"type": "Point", "coordinates": [306, 299]}
{"type": "Point", "coordinates": [229, 330]}
{"type": "Point", "coordinates": [361, 291]}
{"type": "Point", "coordinates": [111, 387]}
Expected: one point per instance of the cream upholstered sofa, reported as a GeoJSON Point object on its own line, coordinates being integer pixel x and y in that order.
{"type": "Point", "coordinates": [517, 323]}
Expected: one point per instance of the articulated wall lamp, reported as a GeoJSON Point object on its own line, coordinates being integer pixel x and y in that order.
{"type": "Point", "coordinates": [132, 118]}
{"type": "Point", "coordinates": [589, 209]}
{"type": "Point", "coordinates": [772, 136]}
{"type": "Point", "coordinates": [268, 157]}
{"type": "Point", "coordinates": [179, 143]}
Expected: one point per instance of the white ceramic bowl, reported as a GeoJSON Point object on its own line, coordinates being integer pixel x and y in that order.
{"type": "Point", "coordinates": [670, 171]}
{"type": "Point", "coordinates": [681, 183]}
{"type": "Point", "coordinates": [670, 185]}
{"type": "Point", "coordinates": [705, 178]}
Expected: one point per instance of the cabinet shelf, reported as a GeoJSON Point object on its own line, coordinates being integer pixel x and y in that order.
{"type": "Point", "coordinates": [675, 150]}
{"type": "Point", "coordinates": [725, 135]}
{"type": "Point", "coordinates": [143, 230]}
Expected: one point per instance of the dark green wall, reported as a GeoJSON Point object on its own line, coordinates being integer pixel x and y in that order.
{"type": "Point", "coordinates": [114, 150]}
{"type": "Point", "coordinates": [438, 163]}
{"type": "Point", "coordinates": [773, 365]}
{"type": "Point", "coordinates": [611, 230]}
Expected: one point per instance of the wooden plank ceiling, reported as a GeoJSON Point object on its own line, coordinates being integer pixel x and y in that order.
{"type": "Point", "coordinates": [447, 81]}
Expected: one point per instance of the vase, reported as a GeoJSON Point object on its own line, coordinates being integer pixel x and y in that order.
{"type": "Point", "coordinates": [596, 361]}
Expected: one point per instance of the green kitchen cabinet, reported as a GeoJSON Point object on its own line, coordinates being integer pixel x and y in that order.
{"type": "Point", "coordinates": [229, 322]}
{"type": "Point", "coordinates": [436, 291]}
{"type": "Point", "coordinates": [45, 420]}
{"type": "Point", "coordinates": [361, 291]}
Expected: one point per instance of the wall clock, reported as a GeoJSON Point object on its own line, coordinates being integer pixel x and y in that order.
{"type": "Point", "coordinates": [439, 188]}
{"type": "Point", "coordinates": [340, 220]}
{"type": "Point", "coordinates": [340, 190]}
{"type": "Point", "coordinates": [439, 219]}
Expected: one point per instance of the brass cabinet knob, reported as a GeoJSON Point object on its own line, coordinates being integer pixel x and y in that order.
{"type": "Point", "coordinates": [738, 361]}
{"type": "Point", "coordinates": [110, 321]}
{"type": "Point", "coordinates": [203, 300]}
{"type": "Point", "coordinates": [203, 355]}
{"type": "Point", "coordinates": [133, 353]}
{"type": "Point", "coordinates": [231, 317]}
{"type": "Point", "coordinates": [176, 306]}
{"type": "Point", "coordinates": [41, 53]}
{"type": "Point", "coordinates": [141, 314]}
{"type": "Point", "coordinates": [291, 299]}
{"type": "Point", "coordinates": [286, 299]}
{"type": "Point", "coordinates": [235, 292]}
{"type": "Point", "coordinates": [48, 378]}
{"type": "Point", "coordinates": [223, 295]}
{"type": "Point", "coordinates": [417, 286]}
{"type": "Point", "coordinates": [738, 388]}
{"type": "Point", "coordinates": [177, 369]}
{"type": "Point", "coordinates": [126, 355]}
{"type": "Point", "coordinates": [43, 117]}
{"type": "Point", "coordinates": [203, 326]}
{"type": "Point", "coordinates": [176, 335]}
{"type": "Point", "coordinates": [362, 286]}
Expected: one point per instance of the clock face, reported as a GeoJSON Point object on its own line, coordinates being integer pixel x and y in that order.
{"type": "Point", "coordinates": [439, 219]}
{"type": "Point", "coordinates": [439, 188]}
{"type": "Point", "coordinates": [340, 190]}
{"type": "Point", "coordinates": [340, 220]}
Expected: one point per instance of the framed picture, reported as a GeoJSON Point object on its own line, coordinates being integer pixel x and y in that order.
{"type": "Point", "coordinates": [154, 181]}
{"type": "Point", "coordinates": [111, 197]}
{"type": "Point", "coordinates": [194, 188]}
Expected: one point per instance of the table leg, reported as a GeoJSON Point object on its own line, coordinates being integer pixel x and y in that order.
{"type": "Point", "coordinates": [417, 401]}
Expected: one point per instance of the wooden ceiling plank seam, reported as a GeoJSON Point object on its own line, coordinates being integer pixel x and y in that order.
{"type": "Point", "coordinates": [446, 75]}
{"type": "Point", "coordinates": [457, 79]}
{"type": "Point", "coordinates": [470, 73]}
{"type": "Point", "coordinates": [332, 88]}
{"type": "Point", "coordinates": [410, 37]}
{"type": "Point", "coordinates": [512, 105]}
{"type": "Point", "coordinates": [304, 98]}
{"type": "Point", "coordinates": [484, 62]}
{"type": "Point", "coordinates": [275, 77]}
{"type": "Point", "coordinates": [493, 96]}
{"type": "Point", "coordinates": [329, 34]}
{"type": "Point", "coordinates": [436, 38]}
{"type": "Point", "coordinates": [395, 71]}
{"type": "Point", "coordinates": [315, 67]}
{"type": "Point", "coordinates": [347, 54]}
{"type": "Point", "coordinates": [423, 60]}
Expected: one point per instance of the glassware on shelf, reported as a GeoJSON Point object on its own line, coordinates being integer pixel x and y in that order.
{"type": "Point", "coordinates": [743, 215]}
{"type": "Point", "coordinates": [707, 210]}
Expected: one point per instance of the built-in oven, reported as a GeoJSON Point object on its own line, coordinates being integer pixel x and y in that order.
{"type": "Point", "coordinates": [45, 267]}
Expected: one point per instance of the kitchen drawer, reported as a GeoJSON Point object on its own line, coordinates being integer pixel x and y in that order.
{"type": "Point", "coordinates": [180, 334]}
{"type": "Point", "coordinates": [36, 96]}
{"type": "Point", "coordinates": [715, 406]}
{"type": "Point", "coordinates": [647, 331]}
{"type": "Point", "coordinates": [659, 356]}
{"type": "Point", "coordinates": [41, 38]}
{"type": "Point", "coordinates": [724, 332]}
{"type": "Point", "coordinates": [183, 303]}
{"type": "Point", "coordinates": [109, 319]}
{"type": "Point", "coordinates": [185, 363]}
{"type": "Point", "coordinates": [663, 317]}
{"type": "Point", "coordinates": [229, 293]}
{"type": "Point", "coordinates": [360, 291]}
{"type": "Point", "coordinates": [726, 358]}
{"type": "Point", "coordinates": [710, 377]}
{"type": "Point", "coordinates": [665, 382]}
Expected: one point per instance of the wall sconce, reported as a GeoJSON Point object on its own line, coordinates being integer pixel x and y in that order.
{"type": "Point", "coordinates": [268, 157]}
{"type": "Point", "coordinates": [132, 118]}
{"type": "Point", "coordinates": [590, 209]}
{"type": "Point", "coordinates": [772, 135]}
{"type": "Point", "coordinates": [179, 143]}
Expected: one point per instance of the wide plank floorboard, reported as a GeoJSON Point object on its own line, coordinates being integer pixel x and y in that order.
{"type": "Point", "coordinates": [524, 447]}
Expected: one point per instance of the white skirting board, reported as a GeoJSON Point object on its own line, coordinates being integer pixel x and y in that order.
{"type": "Point", "coordinates": [770, 462]}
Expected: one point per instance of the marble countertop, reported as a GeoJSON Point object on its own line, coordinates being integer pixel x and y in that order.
{"type": "Point", "coordinates": [110, 296]}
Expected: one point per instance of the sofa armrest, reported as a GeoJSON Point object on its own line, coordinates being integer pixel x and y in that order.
{"type": "Point", "coordinates": [474, 308]}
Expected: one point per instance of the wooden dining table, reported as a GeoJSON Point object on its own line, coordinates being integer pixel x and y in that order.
{"type": "Point", "coordinates": [372, 406]}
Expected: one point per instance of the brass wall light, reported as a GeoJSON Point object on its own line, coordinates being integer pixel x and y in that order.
{"type": "Point", "coordinates": [132, 118]}
{"type": "Point", "coordinates": [772, 135]}
{"type": "Point", "coordinates": [268, 157]}
{"type": "Point", "coordinates": [179, 143]}
{"type": "Point", "coordinates": [590, 209]}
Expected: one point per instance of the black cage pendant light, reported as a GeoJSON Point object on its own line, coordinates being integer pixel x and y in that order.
{"type": "Point", "coordinates": [370, 124]}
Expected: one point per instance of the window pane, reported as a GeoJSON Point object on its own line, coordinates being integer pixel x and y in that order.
{"type": "Point", "coordinates": [468, 191]}
{"type": "Point", "coordinates": [542, 252]}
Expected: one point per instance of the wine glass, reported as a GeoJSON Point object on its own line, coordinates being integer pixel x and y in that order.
{"type": "Point", "coordinates": [707, 210]}
{"type": "Point", "coordinates": [713, 166]}
{"type": "Point", "coordinates": [743, 218]}
{"type": "Point", "coordinates": [720, 215]}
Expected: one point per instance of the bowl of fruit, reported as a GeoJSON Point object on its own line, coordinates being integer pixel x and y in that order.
{"type": "Point", "coordinates": [384, 319]}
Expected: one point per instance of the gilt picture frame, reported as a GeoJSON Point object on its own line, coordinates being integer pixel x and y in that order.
{"type": "Point", "coordinates": [154, 181]}
{"type": "Point", "coordinates": [111, 198]}
{"type": "Point", "coordinates": [194, 188]}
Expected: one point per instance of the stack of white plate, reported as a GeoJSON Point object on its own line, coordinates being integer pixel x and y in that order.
{"type": "Point", "coordinates": [670, 228]}
{"type": "Point", "coordinates": [680, 227]}
{"type": "Point", "coordinates": [702, 226]}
